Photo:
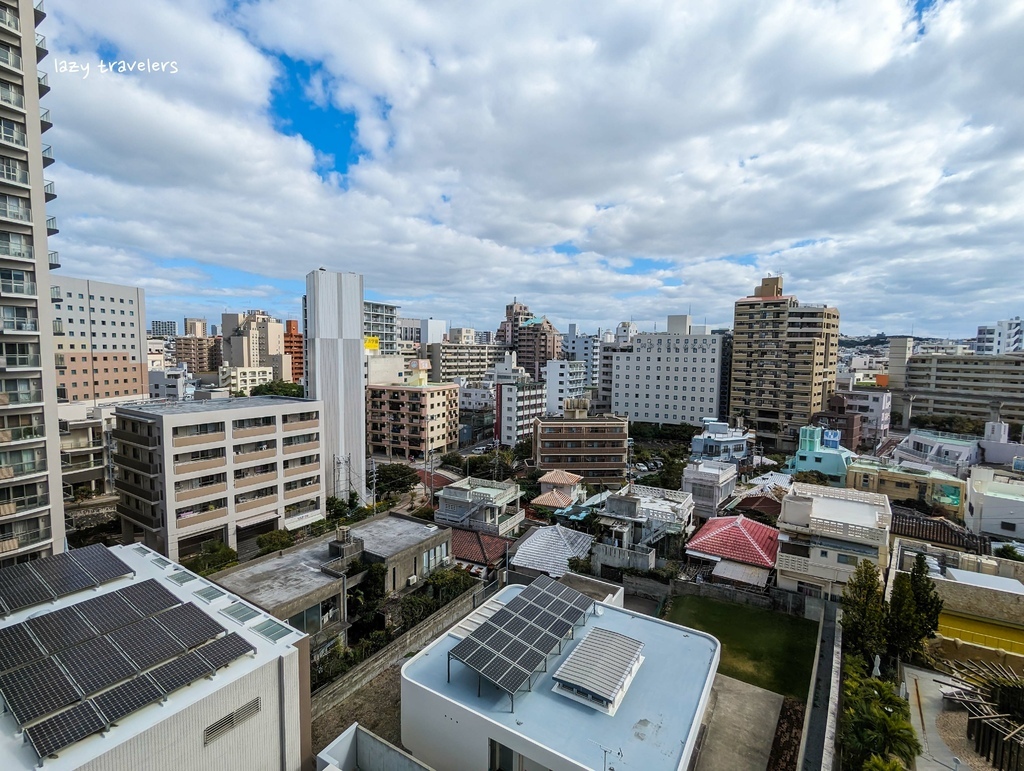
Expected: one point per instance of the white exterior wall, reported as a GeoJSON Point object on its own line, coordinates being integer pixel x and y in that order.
{"type": "Point", "coordinates": [432, 331]}
{"type": "Point", "coordinates": [334, 374]}
{"type": "Point", "coordinates": [876, 408]}
{"type": "Point", "coordinates": [565, 380]}
{"type": "Point", "coordinates": [586, 348]}
{"type": "Point", "coordinates": [516, 407]}
{"type": "Point", "coordinates": [995, 506]}
{"type": "Point", "coordinates": [1005, 336]}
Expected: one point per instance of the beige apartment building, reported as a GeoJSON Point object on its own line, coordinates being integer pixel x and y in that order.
{"type": "Point", "coordinates": [189, 472]}
{"type": "Point", "coordinates": [201, 354]}
{"type": "Point", "coordinates": [31, 511]}
{"type": "Point", "coordinates": [255, 340]}
{"type": "Point", "coordinates": [784, 360]}
{"type": "Point", "coordinates": [244, 379]}
{"type": "Point", "coordinates": [594, 448]}
{"type": "Point", "coordinates": [407, 420]}
{"type": "Point", "coordinates": [469, 360]}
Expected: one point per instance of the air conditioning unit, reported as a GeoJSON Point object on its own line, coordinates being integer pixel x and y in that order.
{"type": "Point", "coordinates": [446, 560]}
{"type": "Point", "coordinates": [411, 581]}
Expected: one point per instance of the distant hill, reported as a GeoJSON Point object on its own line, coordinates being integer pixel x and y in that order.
{"type": "Point", "coordinates": [857, 342]}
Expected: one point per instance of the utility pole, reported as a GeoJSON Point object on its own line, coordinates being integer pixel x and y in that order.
{"type": "Point", "coordinates": [373, 469]}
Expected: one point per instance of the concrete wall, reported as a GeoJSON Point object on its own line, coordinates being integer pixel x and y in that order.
{"type": "Point", "coordinates": [334, 694]}
{"type": "Point", "coordinates": [958, 650]}
{"type": "Point", "coordinates": [356, 748]}
{"type": "Point", "coordinates": [614, 556]}
{"type": "Point", "coordinates": [980, 602]}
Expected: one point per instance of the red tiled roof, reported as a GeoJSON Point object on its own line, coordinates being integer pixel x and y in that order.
{"type": "Point", "coordinates": [559, 477]}
{"type": "Point", "coordinates": [738, 539]}
{"type": "Point", "coordinates": [481, 548]}
{"type": "Point", "coordinates": [553, 499]}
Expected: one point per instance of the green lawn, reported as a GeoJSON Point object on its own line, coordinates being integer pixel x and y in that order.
{"type": "Point", "coordinates": [766, 649]}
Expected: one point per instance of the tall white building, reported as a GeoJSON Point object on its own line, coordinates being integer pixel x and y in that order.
{"type": "Point", "coordinates": [31, 509]}
{"type": "Point", "coordinates": [335, 360]}
{"type": "Point", "coordinates": [565, 380]}
{"type": "Point", "coordinates": [432, 331]}
{"type": "Point", "coordinates": [669, 377]}
{"type": "Point", "coordinates": [164, 328]}
{"type": "Point", "coordinates": [611, 343]}
{"type": "Point", "coordinates": [577, 346]}
{"type": "Point", "coordinates": [1005, 336]}
{"type": "Point", "coordinates": [380, 321]}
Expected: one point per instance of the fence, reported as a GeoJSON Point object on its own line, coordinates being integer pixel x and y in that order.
{"type": "Point", "coordinates": [394, 652]}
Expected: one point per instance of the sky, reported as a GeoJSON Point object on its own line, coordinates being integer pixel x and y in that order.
{"type": "Point", "coordinates": [599, 161]}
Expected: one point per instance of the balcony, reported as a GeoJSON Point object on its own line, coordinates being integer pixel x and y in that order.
{"type": "Point", "coordinates": [304, 447]}
{"type": "Point", "coordinates": [16, 213]}
{"type": "Point", "coordinates": [255, 479]}
{"type": "Point", "coordinates": [12, 136]}
{"type": "Point", "coordinates": [296, 470]}
{"type": "Point", "coordinates": [140, 440]}
{"type": "Point", "coordinates": [245, 456]}
{"type": "Point", "coordinates": [40, 13]}
{"type": "Point", "coordinates": [242, 433]}
{"type": "Point", "coordinates": [47, 153]}
{"type": "Point", "coordinates": [143, 518]}
{"type": "Point", "coordinates": [21, 434]}
{"type": "Point", "coordinates": [49, 191]}
{"type": "Point", "coordinates": [145, 494]}
{"type": "Point", "coordinates": [9, 96]}
{"type": "Point", "coordinates": [192, 518]}
{"type": "Point", "coordinates": [54, 258]}
{"type": "Point", "coordinates": [19, 361]}
{"type": "Point", "coordinates": [255, 503]}
{"type": "Point", "coordinates": [199, 492]}
{"type": "Point", "coordinates": [19, 289]}
{"type": "Point", "coordinates": [11, 543]}
{"type": "Point", "coordinates": [55, 294]}
{"type": "Point", "coordinates": [44, 83]}
{"type": "Point", "coordinates": [302, 514]}
{"type": "Point", "coordinates": [41, 49]}
{"type": "Point", "coordinates": [58, 328]}
{"type": "Point", "coordinates": [194, 439]}
{"type": "Point", "coordinates": [20, 398]}
{"type": "Point", "coordinates": [301, 424]}
{"type": "Point", "coordinates": [22, 504]}
{"type": "Point", "coordinates": [14, 175]}
{"type": "Point", "coordinates": [51, 226]}
{"type": "Point", "coordinates": [142, 466]}
{"type": "Point", "coordinates": [27, 468]}
{"type": "Point", "coordinates": [303, 491]}
{"type": "Point", "coordinates": [9, 20]}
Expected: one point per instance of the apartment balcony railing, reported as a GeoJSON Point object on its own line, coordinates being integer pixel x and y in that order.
{"type": "Point", "coordinates": [22, 433]}
{"type": "Point", "coordinates": [13, 136]}
{"type": "Point", "coordinates": [58, 328]}
{"type": "Point", "coordinates": [8, 95]}
{"type": "Point", "coordinates": [41, 49]}
{"type": "Point", "coordinates": [20, 325]}
{"type": "Point", "coordinates": [23, 503]}
{"type": "Point", "coordinates": [44, 83]}
{"type": "Point", "coordinates": [51, 226]}
{"type": "Point", "coordinates": [17, 251]}
{"type": "Point", "coordinates": [40, 11]}
{"type": "Point", "coordinates": [19, 213]}
{"type": "Point", "coordinates": [14, 542]}
{"type": "Point", "coordinates": [14, 174]}
{"type": "Point", "coordinates": [20, 398]}
{"type": "Point", "coordinates": [19, 361]}
{"type": "Point", "coordinates": [54, 259]}
{"type": "Point", "coordinates": [49, 190]}
{"type": "Point", "coordinates": [24, 469]}
{"type": "Point", "coordinates": [9, 20]}
{"type": "Point", "coordinates": [47, 153]}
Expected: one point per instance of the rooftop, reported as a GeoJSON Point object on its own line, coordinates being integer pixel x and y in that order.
{"type": "Point", "coordinates": [548, 549]}
{"type": "Point", "coordinates": [214, 405]}
{"type": "Point", "coordinates": [474, 546]}
{"type": "Point", "coordinates": [390, 535]}
{"type": "Point", "coordinates": [559, 477]}
{"type": "Point", "coordinates": [657, 718]}
{"type": "Point", "coordinates": [999, 583]}
{"type": "Point", "coordinates": [738, 539]}
{"type": "Point", "coordinates": [850, 507]}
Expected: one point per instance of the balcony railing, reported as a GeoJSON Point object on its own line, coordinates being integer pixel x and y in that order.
{"type": "Point", "coordinates": [19, 360]}
{"type": "Point", "coordinates": [54, 258]}
{"type": "Point", "coordinates": [55, 294]}
{"type": "Point", "coordinates": [47, 153]}
{"type": "Point", "coordinates": [44, 83]}
{"type": "Point", "coordinates": [15, 398]}
{"type": "Point", "coordinates": [14, 174]}
{"type": "Point", "coordinates": [41, 49]}
{"type": "Point", "coordinates": [11, 135]}
{"type": "Point", "coordinates": [19, 213]}
{"type": "Point", "coordinates": [23, 469]}
{"type": "Point", "coordinates": [21, 433]}
{"type": "Point", "coordinates": [8, 95]}
{"type": "Point", "coordinates": [9, 20]}
{"type": "Point", "coordinates": [40, 11]}
{"type": "Point", "coordinates": [23, 503]}
{"type": "Point", "coordinates": [16, 250]}
{"type": "Point", "coordinates": [58, 328]}
{"type": "Point", "coordinates": [12, 542]}
{"type": "Point", "coordinates": [51, 226]}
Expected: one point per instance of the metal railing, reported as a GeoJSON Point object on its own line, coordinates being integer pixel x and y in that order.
{"type": "Point", "coordinates": [23, 503]}
{"type": "Point", "coordinates": [19, 360]}
{"type": "Point", "coordinates": [18, 251]}
{"type": "Point", "coordinates": [15, 541]}
{"type": "Point", "coordinates": [10, 398]}
{"type": "Point", "coordinates": [7, 95]}
{"type": "Point", "coordinates": [21, 433]}
{"type": "Point", "coordinates": [12, 135]}
{"type": "Point", "coordinates": [20, 213]}
{"type": "Point", "coordinates": [9, 20]}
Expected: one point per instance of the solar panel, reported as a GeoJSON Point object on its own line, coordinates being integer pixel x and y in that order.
{"type": "Point", "coordinates": [542, 582]}
{"type": "Point", "coordinates": [559, 607]}
{"type": "Point", "coordinates": [516, 626]}
{"type": "Point", "coordinates": [17, 647]}
{"type": "Point", "coordinates": [583, 602]}
{"type": "Point", "coordinates": [514, 679]}
{"type": "Point", "coordinates": [108, 612]}
{"type": "Point", "coordinates": [149, 597]}
{"type": "Point", "coordinates": [542, 600]}
{"type": "Point", "coordinates": [514, 651]}
{"type": "Point", "coordinates": [180, 672]}
{"type": "Point", "coordinates": [573, 615]}
{"type": "Point", "coordinates": [37, 689]}
{"type": "Point", "coordinates": [547, 641]}
{"type": "Point", "coordinates": [146, 643]}
{"type": "Point", "coordinates": [224, 650]}
{"type": "Point", "coordinates": [502, 617]}
{"type": "Point", "coordinates": [531, 659]}
{"type": "Point", "coordinates": [530, 635]}
{"type": "Point", "coordinates": [544, 619]}
{"type": "Point", "coordinates": [516, 604]}
{"type": "Point", "coordinates": [66, 728]}
{"type": "Point", "coordinates": [464, 648]}
{"type": "Point", "coordinates": [60, 629]}
{"type": "Point", "coordinates": [481, 658]}
{"type": "Point", "coordinates": [499, 640]}
{"type": "Point", "coordinates": [95, 664]}
{"type": "Point", "coordinates": [485, 631]}
{"type": "Point", "coordinates": [530, 592]}
{"type": "Point", "coordinates": [63, 575]}
{"type": "Point", "coordinates": [530, 612]}
{"type": "Point", "coordinates": [189, 625]}
{"type": "Point", "coordinates": [100, 563]}
{"type": "Point", "coordinates": [495, 669]}
{"type": "Point", "coordinates": [127, 698]}
{"type": "Point", "coordinates": [560, 628]}
{"type": "Point", "coordinates": [20, 587]}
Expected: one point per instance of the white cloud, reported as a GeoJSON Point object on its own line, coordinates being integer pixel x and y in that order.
{"type": "Point", "coordinates": [878, 168]}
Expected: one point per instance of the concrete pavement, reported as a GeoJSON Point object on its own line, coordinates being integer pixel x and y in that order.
{"type": "Point", "coordinates": [742, 728]}
{"type": "Point", "coordinates": [925, 706]}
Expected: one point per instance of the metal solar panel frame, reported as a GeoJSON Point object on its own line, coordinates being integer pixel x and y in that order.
{"type": "Point", "coordinates": [60, 629]}
{"type": "Point", "coordinates": [96, 664]}
{"type": "Point", "coordinates": [179, 672]}
{"type": "Point", "coordinates": [542, 582]}
{"type": "Point", "coordinates": [63, 575]}
{"type": "Point", "coordinates": [37, 689]}
{"type": "Point", "coordinates": [516, 604]}
{"type": "Point", "coordinates": [108, 612]}
{"type": "Point", "coordinates": [149, 597]}
{"type": "Point", "coordinates": [146, 643]}
{"type": "Point", "coordinates": [64, 729]}
{"type": "Point", "coordinates": [127, 698]}
{"type": "Point", "coordinates": [225, 650]}
{"type": "Point", "coordinates": [18, 647]}
{"type": "Point", "coordinates": [21, 587]}
{"type": "Point", "coordinates": [465, 648]}
{"type": "Point", "coordinates": [189, 625]}
{"type": "Point", "coordinates": [100, 563]}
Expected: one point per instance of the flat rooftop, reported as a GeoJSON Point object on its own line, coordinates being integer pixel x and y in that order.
{"type": "Point", "coordinates": [391, 535]}
{"type": "Point", "coordinates": [851, 507]}
{"type": "Point", "coordinates": [651, 726]}
{"type": "Point", "coordinates": [16, 753]}
{"type": "Point", "coordinates": [215, 405]}
{"type": "Point", "coordinates": [272, 581]}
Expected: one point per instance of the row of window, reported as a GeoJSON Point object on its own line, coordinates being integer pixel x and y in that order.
{"type": "Point", "coordinates": [102, 298]}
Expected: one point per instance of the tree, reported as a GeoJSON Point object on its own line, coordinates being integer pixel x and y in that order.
{"type": "Point", "coordinates": [278, 388]}
{"type": "Point", "coordinates": [926, 599]}
{"type": "Point", "coordinates": [811, 478]}
{"type": "Point", "coordinates": [453, 460]}
{"type": "Point", "coordinates": [902, 625]}
{"type": "Point", "coordinates": [878, 763]}
{"type": "Point", "coordinates": [275, 540]}
{"type": "Point", "coordinates": [864, 612]}
{"type": "Point", "coordinates": [523, 449]}
{"type": "Point", "coordinates": [1008, 552]}
{"type": "Point", "coordinates": [395, 479]}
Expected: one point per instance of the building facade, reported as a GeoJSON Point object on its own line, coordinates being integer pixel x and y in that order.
{"type": "Point", "coordinates": [710, 482]}
{"type": "Point", "coordinates": [1005, 336]}
{"type": "Point", "coordinates": [293, 349]}
{"type": "Point", "coordinates": [565, 380]}
{"type": "Point", "coordinates": [469, 360]}
{"type": "Point", "coordinates": [380, 321]}
{"type": "Point", "coordinates": [995, 504]}
{"type": "Point", "coordinates": [31, 511]}
{"type": "Point", "coordinates": [944, 493]}
{"type": "Point", "coordinates": [196, 328]}
{"type": "Point", "coordinates": [577, 346]}
{"type": "Point", "coordinates": [163, 328]}
{"type": "Point", "coordinates": [720, 442]}
{"type": "Point", "coordinates": [482, 505]}
{"type": "Point", "coordinates": [594, 448]}
{"type": "Point", "coordinates": [335, 355]}
{"type": "Point", "coordinates": [100, 340]}
{"type": "Point", "coordinates": [516, 405]}
{"type": "Point", "coordinates": [875, 408]}
{"type": "Point", "coordinates": [255, 340]}
{"type": "Point", "coordinates": [412, 420]}
{"type": "Point", "coordinates": [784, 362]}
{"type": "Point", "coordinates": [199, 354]}
{"type": "Point", "coordinates": [534, 339]}
{"type": "Point", "coordinates": [241, 380]}
{"type": "Point", "coordinates": [217, 470]}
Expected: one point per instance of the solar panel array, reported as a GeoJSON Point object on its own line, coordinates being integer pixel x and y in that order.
{"type": "Point", "coordinates": [77, 670]}
{"type": "Point", "coordinates": [33, 583]}
{"type": "Point", "coordinates": [508, 647]}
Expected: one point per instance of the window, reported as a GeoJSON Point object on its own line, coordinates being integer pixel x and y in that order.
{"type": "Point", "coordinates": [1010, 526]}
{"type": "Point", "coordinates": [823, 553]}
{"type": "Point", "coordinates": [846, 559]}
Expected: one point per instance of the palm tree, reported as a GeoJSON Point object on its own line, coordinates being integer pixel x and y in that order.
{"type": "Point", "coordinates": [877, 763]}
{"type": "Point", "coordinates": [891, 735]}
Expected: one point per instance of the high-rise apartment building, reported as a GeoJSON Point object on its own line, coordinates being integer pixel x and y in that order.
{"type": "Point", "coordinates": [189, 472]}
{"type": "Point", "coordinates": [1005, 336]}
{"type": "Point", "coordinates": [293, 348]}
{"type": "Point", "coordinates": [462, 335]}
{"type": "Point", "coordinates": [577, 346]}
{"type": "Point", "coordinates": [163, 328]}
{"type": "Point", "coordinates": [620, 341]}
{"type": "Point", "coordinates": [99, 331]}
{"type": "Point", "coordinates": [565, 380]}
{"type": "Point", "coordinates": [409, 330]}
{"type": "Point", "coordinates": [380, 321]}
{"type": "Point", "coordinates": [451, 360]}
{"type": "Point", "coordinates": [31, 510]}
{"type": "Point", "coordinates": [333, 310]}
{"type": "Point", "coordinates": [413, 419]}
{"type": "Point", "coordinates": [784, 362]}
{"type": "Point", "coordinates": [255, 340]}
{"type": "Point", "coordinates": [200, 354]}
{"type": "Point", "coordinates": [534, 339]}
{"type": "Point", "coordinates": [196, 327]}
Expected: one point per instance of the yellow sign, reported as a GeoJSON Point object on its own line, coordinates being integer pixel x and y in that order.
{"type": "Point", "coordinates": [371, 343]}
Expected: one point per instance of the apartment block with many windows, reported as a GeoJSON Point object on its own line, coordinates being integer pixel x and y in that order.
{"type": "Point", "coordinates": [217, 469]}
{"type": "Point", "coordinates": [594, 448]}
{"type": "Point", "coordinates": [409, 420]}
{"type": "Point", "coordinates": [31, 511]}
{"type": "Point", "coordinates": [469, 360]}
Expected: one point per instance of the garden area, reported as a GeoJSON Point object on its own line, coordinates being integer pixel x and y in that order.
{"type": "Point", "coordinates": [766, 649]}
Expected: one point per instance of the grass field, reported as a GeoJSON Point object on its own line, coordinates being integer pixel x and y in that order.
{"type": "Point", "coordinates": [766, 649]}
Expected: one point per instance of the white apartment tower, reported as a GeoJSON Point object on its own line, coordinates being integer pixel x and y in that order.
{"type": "Point", "coordinates": [565, 380]}
{"type": "Point", "coordinates": [31, 507]}
{"type": "Point", "coordinates": [332, 312]}
{"type": "Point", "coordinates": [577, 346]}
{"type": "Point", "coordinates": [1005, 336]}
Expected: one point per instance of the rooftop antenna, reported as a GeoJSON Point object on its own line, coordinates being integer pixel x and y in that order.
{"type": "Point", "coordinates": [615, 753]}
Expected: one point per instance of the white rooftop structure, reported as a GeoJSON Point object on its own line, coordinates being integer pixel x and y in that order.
{"type": "Point", "coordinates": [1000, 583]}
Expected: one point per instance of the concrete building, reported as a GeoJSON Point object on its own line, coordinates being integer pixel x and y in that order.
{"type": "Point", "coordinates": [577, 346]}
{"type": "Point", "coordinates": [30, 499]}
{"type": "Point", "coordinates": [875, 408]}
{"type": "Point", "coordinates": [380, 323]}
{"type": "Point", "coordinates": [516, 405]}
{"type": "Point", "coordinates": [199, 354]}
{"type": "Point", "coordinates": [196, 328]}
{"type": "Point", "coordinates": [783, 364]}
{"type": "Point", "coordinates": [824, 532]}
{"type": "Point", "coordinates": [332, 311]}
{"type": "Point", "coordinates": [620, 341]}
{"type": "Point", "coordinates": [408, 330]}
{"type": "Point", "coordinates": [469, 360]}
{"type": "Point", "coordinates": [671, 377]}
{"type": "Point", "coordinates": [1005, 336]}
{"type": "Point", "coordinates": [244, 379]}
{"type": "Point", "coordinates": [462, 336]}
{"type": "Point", "coordinates": [710, 482]}
{"type": "Point", "coordinates": [171, 383]}
{"type": "Point", "coordinates": [432, 331]}
{"type": "Point", "coordinates": [821, 451]}
{"type": "Point", "coordinates": [721, 443]}
{"type": "Point", "coordinates": [619, 671]}
{"type": "Point", "coordinates": [995, 504]}
{"type": "Point", "coordinates": [533, 338]}
{"type": "Point", "coordinates": [485, 505]}
{"type": "Point", "coordinates": [909, 481]}
{"type": "Point", "coordinates": [163, 328]}
{"type": "Point", "coordinates": [838, 416]}
{"type": "Point", "coordinates": [485, 338]}
{"type": "Point", "coordinates": [559, 489]}
{"type": "Point", "coordinates": [594, 448]}
{"type": "Point", "coordinates": [255, 340]}
{"type": "Point", "coordinates": [413, 419]}
{"type": "Point", "coordinates": [943, 348]}
{"type": "Point", "coordinates": [99, 329]}
{"type": "Point", "coordinates": [294, 349]}
{"type": "Point", "coordinates": [180, 486]}
{"type": "Point", "coordinates": [170, 672]}
{"type": "Point", "coordinates": [951, 453]}
{"type": "Point", "coordinates": [565, 380]}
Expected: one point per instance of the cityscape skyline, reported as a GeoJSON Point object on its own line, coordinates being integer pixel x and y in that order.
{"type": "Point", "coordinates": [625, 168]}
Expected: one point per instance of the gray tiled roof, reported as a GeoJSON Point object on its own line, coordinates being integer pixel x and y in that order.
{"type": "Point", "coordinates": [548, 549]}
{"type": "Point", "coordinates": [601, 663]}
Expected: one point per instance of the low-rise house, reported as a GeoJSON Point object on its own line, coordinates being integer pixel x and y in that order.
{"type": "Point", "coordinates": [720, 442]}
{"type": "Point", "coordinates": [820, 451]}
{"type": "Point", "coordinates": [911, 525]}
{"type": "Point", "coordinates": [824, 532]}
{"type": "Point", "coordinates": [480, 504]}
{"type": "Point", "coordinates": [945, 494]}
{"type": "Point", "coordinates": [480, 553]}
{"type": "Point", "coordinates": [710, 482]}
{"type": "Point", "coordinates": [559, 489]}
{"type": "Point", "coordinates": [951, 453]}
{"type": "Point", "coordinates": [635, 520]}
{"type": "Point", "coordinates": [742, 549]}
{"type": "Point", "coordinates": [547, 551]}
{"type": "Point", "coordinates": [995, 503]}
